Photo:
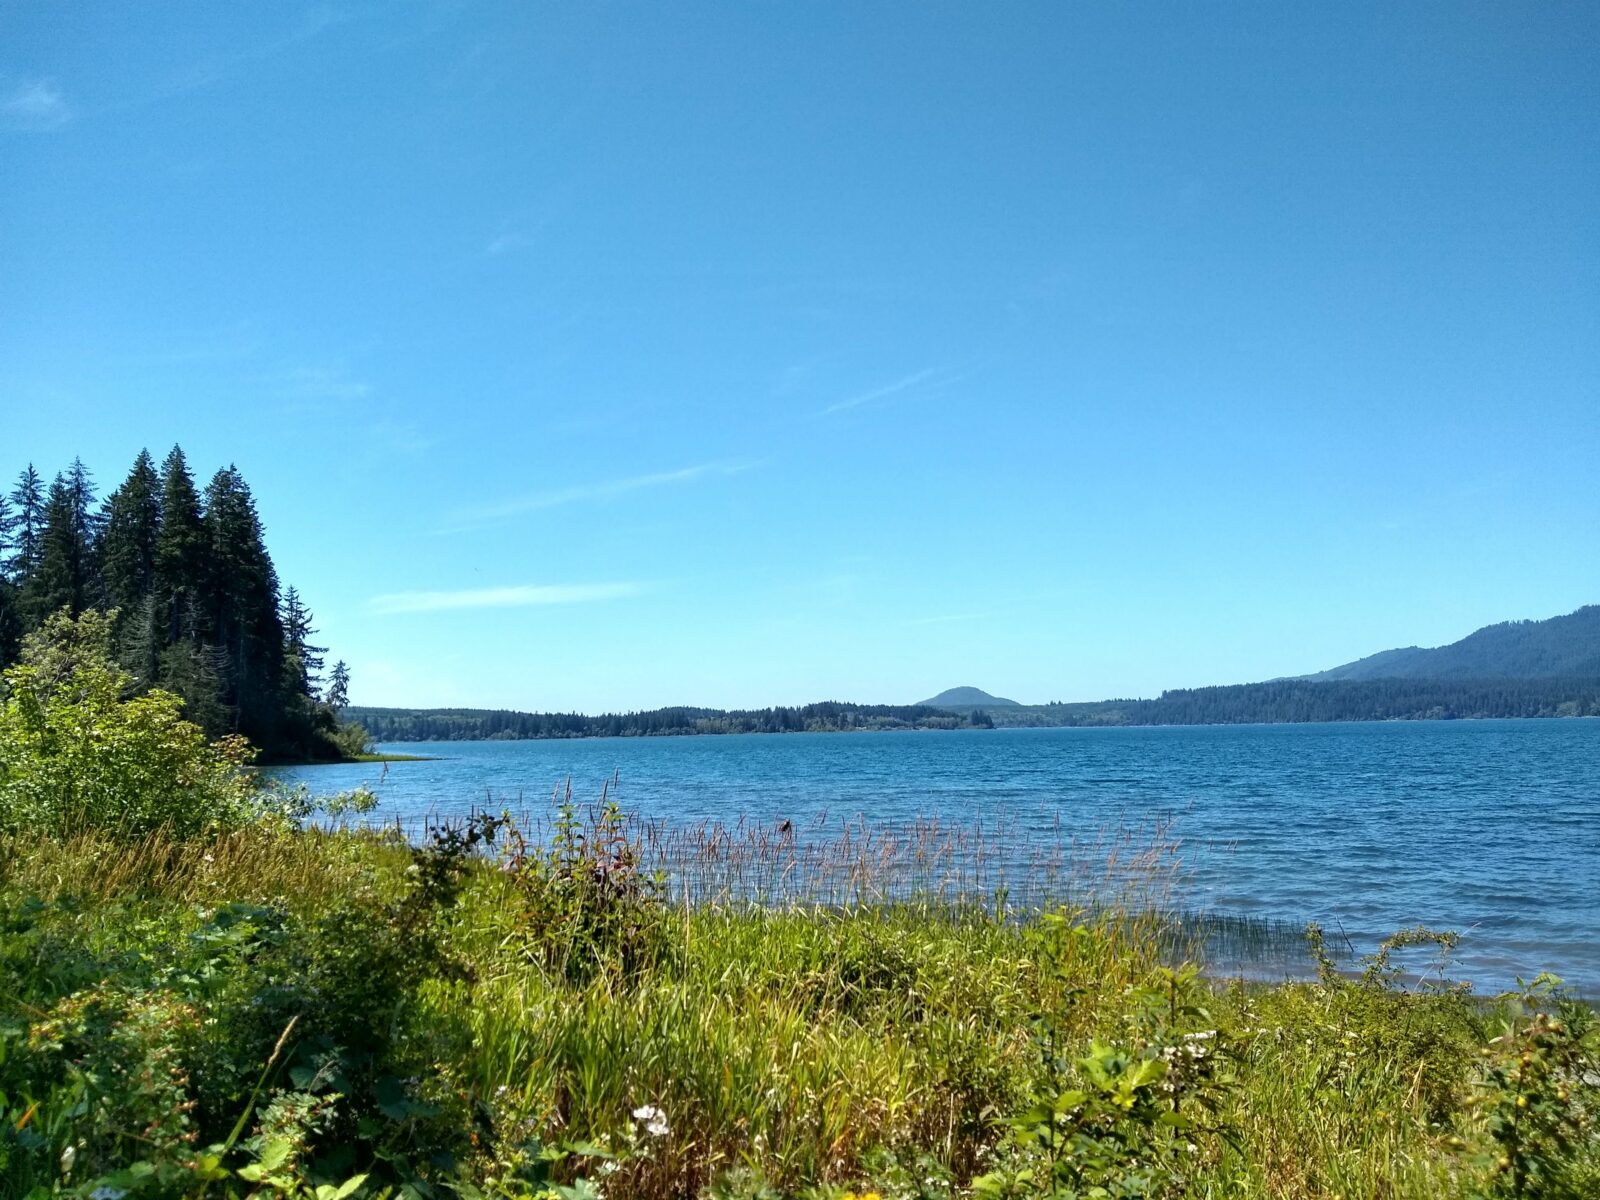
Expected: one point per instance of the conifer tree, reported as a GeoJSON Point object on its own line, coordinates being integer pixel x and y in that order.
{"type": "Point", "coordinates": [80, 489]}
{"type": "Point", "coordinates": [339, 687]}
{"type": "Point", "coordinates": [128, 546]}
{"type": "Point", "coordinates": [61, 578]}
{"type": "Point", "coordinates": [302, 661]}
{"type": "Point", "coordinates": [132, 528]}
{"type": "Point", "coordinates": [27, 499]}
{"type": "Point", "coordinates": [194, 673]}
{"type": "Point", "coordinates": [240, 604]}
{"type": "Point", "coordinates": [180, 559]}
{"type": "Point", "coordinates": [8, 533]}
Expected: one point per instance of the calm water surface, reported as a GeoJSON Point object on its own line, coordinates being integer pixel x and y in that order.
{"type": "Point", "coordinates": [1491, 828]}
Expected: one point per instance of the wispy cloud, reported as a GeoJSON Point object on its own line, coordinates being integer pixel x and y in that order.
{"type": "Point", "coordinates": [946, 619]}
{"type": "Point", "coordinates": [506, 243]}
{"type": "Point", "coordinates": [915, 380]}
{"type": "Point", "coordinates": [401, 437]}
{"type": "Point", "coordinates": [35, 104]}
{"type": "Point", "coordinates": [524, 596]}
{"type": "Point", "coordinates": [325, 383]}
{"type": "Point", "coordinates": [606, 490]}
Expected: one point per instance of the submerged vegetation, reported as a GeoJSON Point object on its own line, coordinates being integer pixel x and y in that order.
{"type": "Point", "coordinates": [206, 993]}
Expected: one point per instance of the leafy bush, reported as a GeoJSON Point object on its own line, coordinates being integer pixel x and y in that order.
{"type": "Point", "coordinates": [1539, 1093]}
{"type": "Point", "coordinates": [78, 751]}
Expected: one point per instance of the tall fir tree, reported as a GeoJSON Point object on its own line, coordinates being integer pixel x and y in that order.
{"type": "Point", "coordinates": [339, 687]}
{"type": "Point", "coordinates": [8, 537]}
{"type": "Point", "coordinates": [28, 501]}
{"type": "Point", "coordinates": [62, 577]}
{"type": "Point", "coordinates": [132, 529]}
{"type": "Point", "coordinates": [180, 561]}
{"type": "Point", "coordinates": [302, 661]}
{"type": "Point", "coordinates": [240, 605]}
{"type": "Point", "coordinates": [196, 592]}
{"type": "Point", "coordinates": [80, 488]}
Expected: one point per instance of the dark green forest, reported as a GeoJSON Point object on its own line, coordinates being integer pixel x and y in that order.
{"type": "Point", "coordinates": [474, 724]}
{"type": "Point", "coordinates": [199, 610]}
{"type": "Point", "coordinates": [1298, 700]}
{"type": "Point", "coordinates": [1567, 645]}
{"type": "Point", "coordinates": [1277, 702]}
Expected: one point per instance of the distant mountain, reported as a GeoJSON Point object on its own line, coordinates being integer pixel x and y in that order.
{"type": "Point", "coordinates": [1559, 646]}
{"type": "Point", "coordinates": [968, 697]}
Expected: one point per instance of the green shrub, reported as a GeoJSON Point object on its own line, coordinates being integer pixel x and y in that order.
{"type": "Point", "coordinates": [79, 752]}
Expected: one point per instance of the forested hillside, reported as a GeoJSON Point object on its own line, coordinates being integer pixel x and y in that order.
{"type": "Point", "coordinates": [1565, 645]}
{"type": "Point", "coordinates": [470, 724]}
{"type": "Point", "coordinates": [199, 611]}
{"type": "Point", "coordinates": [1290, 700]}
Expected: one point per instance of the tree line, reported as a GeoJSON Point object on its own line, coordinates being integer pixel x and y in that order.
{"type": "Point", "coordinates": [471, 724]}
{"type": "Point", "coordinates": [196, 603]}
{"type": "Point", "coordinates": [1298, 700]}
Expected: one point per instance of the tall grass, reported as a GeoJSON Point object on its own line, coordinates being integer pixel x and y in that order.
{"type": "Point", "coordinates": [800, 1010]}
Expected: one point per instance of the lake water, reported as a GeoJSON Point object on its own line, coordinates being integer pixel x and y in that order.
{"type": "Point", "coordinates": [1490, 828]}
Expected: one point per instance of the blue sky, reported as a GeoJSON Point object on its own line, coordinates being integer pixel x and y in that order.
{"type": "Point", "coordinates": [600, 356]}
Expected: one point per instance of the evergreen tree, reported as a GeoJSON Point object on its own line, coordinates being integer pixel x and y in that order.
{"type": "Point", "coordinates": [302, 661]}
{"type": "Point", "coordinates": [61, 578]}
{"type": "Point", "coordinates": [240, 605]}
{"type": "Point", "coordinates": [195, 592]}
{"type": "Point", "coordinates": [339, 687]}
{"type": "Point", "coordinates": [28, 500]}
{"type": "Point", "coordinates": [180, 560]}
{"type": "Point", "coordinates": [80, 489]}
{"type": "Point", "coordinates": [141, 640]}
{"type": "Point", "coordinates": [128, 549]}
{"type": "Point", "coordinates": [194, 674]}
{"type": "Point", "coordinates": [8, 533]}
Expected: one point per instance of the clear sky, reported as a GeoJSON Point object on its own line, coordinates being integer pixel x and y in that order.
{"type": "Point", "coordinates": [598, 356]}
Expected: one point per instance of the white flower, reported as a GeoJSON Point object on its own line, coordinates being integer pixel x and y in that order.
{"type": "Point", "coordinates": [68, 1157]}
{"type": "Point", "coordinates": [655, 1121]}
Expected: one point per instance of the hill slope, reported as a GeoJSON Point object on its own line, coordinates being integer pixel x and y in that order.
{"type": "Point", "coordinates": [1560, 646]}
{"type": "Point", "coordinates": [968, 697]}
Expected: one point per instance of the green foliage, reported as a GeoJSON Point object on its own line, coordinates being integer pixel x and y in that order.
{"type": "Point", "coordinates": [76, 752]}
{"type": "Point", "coordinates": [1541, 1097]}
{"type": "Point", "coordinates": [195, 593]}
{"type": "Point", "coordinates": [1121, 1119]}
{"type": "Point", "coordinates": [583, 898]}
{"type": "Point", "coordinates": [456, 724]}
{"type": "Point", "coordinates": [280, 1010]}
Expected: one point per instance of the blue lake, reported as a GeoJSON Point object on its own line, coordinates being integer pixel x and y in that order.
{"type": "Point", "coordinates": [1490, 828]}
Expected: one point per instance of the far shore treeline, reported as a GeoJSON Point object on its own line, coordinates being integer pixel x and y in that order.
{"type": "Point", "coordinates": [197, 601]}
{"type": "Point", "coordinates": [480, 724]}
{"type": "Point", "coordinates": [1277, 702]}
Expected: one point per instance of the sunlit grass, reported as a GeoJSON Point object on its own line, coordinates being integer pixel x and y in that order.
{"type": "Point", "coordinates": [805, 1011]}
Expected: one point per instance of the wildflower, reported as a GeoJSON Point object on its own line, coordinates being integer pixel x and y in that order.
{"type": "Point", "coordinates": [68, 1157]}
{"type": "Point", "coordinates": [655, 1121]}
{"type": "Point", "coordinates": [106, 1192]}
